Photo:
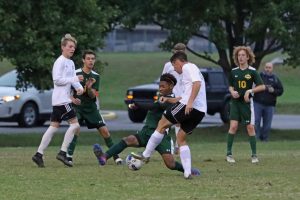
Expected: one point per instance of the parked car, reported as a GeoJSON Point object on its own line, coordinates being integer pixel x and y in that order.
{"type": "Point", "coordinates": [217, 95]}
{"type": "Point", "coordinates": [29, 108]}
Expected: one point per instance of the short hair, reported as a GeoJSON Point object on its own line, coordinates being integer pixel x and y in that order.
{"type": "Point", "coordinates": [169, 78]}
{"type": "Point", "coordinates": [179, 55]}
{"type": "Point", "coordinates": [66, 38]}
{"type": "Point", "coordinates": [179, 47]}
{"type": "Point", "coordinates": [86, 52]}
{"type": "Point", "coordinates": [248, 51]}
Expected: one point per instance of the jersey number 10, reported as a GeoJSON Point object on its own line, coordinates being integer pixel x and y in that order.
{"type": "Point", "coordinates": [242, 84]}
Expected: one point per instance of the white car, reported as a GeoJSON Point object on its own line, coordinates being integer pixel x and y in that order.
{"type": "Point", "coordinates": [29, 108]}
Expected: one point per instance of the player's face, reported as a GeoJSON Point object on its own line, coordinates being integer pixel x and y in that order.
{"type": "Point", "coordinates": [243, 57]}
{"type": "Point", "coordinates": [69, 49]}
{"type": "Point", "coordinates": [165, 88]}
{"type": "Point", "coordinates": [177, 64]}
{"type": "Point", "coordinates": [89, 61]}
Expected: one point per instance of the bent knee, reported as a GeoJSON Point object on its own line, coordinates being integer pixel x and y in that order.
{"type": "Point", "coordinates": [131, 140]}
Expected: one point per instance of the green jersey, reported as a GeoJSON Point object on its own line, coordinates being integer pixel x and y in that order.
{"type": "Point", "coordinates": [243, 80]}
{"type": "Point", "coordinates": [155, 113]}
{"type": "Point", "coordinates": [86, 101]}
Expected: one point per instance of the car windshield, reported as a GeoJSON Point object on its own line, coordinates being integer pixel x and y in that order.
{"type": "Point", "coordinates": [9, 79]}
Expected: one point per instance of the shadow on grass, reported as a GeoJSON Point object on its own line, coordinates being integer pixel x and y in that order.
{"type": "Point", "coordinates": [200, 135]}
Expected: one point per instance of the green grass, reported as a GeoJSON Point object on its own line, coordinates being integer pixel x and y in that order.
{"type": "Point", "coordinates": [129, 69]}
{"type": "Point", "coordinates": [277, 176]}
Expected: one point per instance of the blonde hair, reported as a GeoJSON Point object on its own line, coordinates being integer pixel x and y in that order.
{"type": "Point", "coordinates": [248, 51]}
{"type": "Point", "coordinates": [66, 38]}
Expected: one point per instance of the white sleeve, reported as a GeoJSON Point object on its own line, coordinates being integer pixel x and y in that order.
{"type": "Point", "coordinates": [194, 73]}
{"type": "Point", "coordinates": [57, 75]}
{"type": "Point", "coordinates": [166, 68]}
{"type": "Point", "coordinates": [77, 85]}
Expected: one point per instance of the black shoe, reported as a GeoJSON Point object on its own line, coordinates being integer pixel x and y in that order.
{"type": "Point", "coordinates": [70, 159]}
{"type": "Point", "coordinates": [38, 159]}
{"type": "Point", "coordinates": [62, 156]}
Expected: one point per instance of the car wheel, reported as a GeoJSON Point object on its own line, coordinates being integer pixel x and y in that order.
{"type": "Point", "coordinates": [225, 112]}
{"type": "Point", "coordinates": [137, 115]}
{"type": "Point", "coordinates": [29, 115]}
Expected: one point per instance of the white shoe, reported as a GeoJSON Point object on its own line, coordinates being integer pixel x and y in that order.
{"type": "Point", "coordinates": [254, 159]}
{"type": "Point", "coordinates": [119, 161]}
{"type": "Point", "coordinates": [230, 159]}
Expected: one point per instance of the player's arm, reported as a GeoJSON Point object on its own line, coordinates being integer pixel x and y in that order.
{"type": "Point", "coordinates": [195, 90]}
{"type": "Point", "coordinates": [57, 77]}
{"type": "Point", "coordinates": [89, 89]}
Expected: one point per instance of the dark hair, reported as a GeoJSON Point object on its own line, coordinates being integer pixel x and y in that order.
{"type": "Point", "coordinates": [88, 51]}
{"type": "Point", "coordinates": [169, 78]}
{"type": "Point", "coordinates": [179, 56]}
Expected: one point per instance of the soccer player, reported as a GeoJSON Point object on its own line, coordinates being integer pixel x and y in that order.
{"type": "Point", "coordinates": [64, 76]}
{"type": "Point", "coordinates": [244, 81]}
{"type": "Point", "coordinates": [167, 82]}
{"type": "Point", "coordinates": [87, 104]}
{"type": "Point", "coordinates": [188, 112]}
{"type": "Point", "coordinates": [168, 68]}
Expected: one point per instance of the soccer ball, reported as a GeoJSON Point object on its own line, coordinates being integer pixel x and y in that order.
{"type": "Point", "coordinates": [133, 163]}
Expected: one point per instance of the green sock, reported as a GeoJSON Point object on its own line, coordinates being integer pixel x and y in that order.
{"type": "Point", "coordinates": [116, 149]}
{"type": "Point", "coordinates": [72, 146]}
{"type": "Point", "coordinates": [178, 167]}
{"type": "Point", "coordinates": [230, 138]}
{"type": "Point", "coordinates": [108, 141]}
{"type": "Point", "coordinates": [252, 141]}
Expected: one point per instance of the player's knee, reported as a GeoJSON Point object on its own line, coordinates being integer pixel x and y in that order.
{"type": "Point", "coordinates": [130, 140]}
{"type": "Point", "coordinates": [75, 127]}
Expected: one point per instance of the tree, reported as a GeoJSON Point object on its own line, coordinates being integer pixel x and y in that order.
{"type": "Point", "coordinates": [267, 26]}
{"type": "Point", "coordinates": [31, 31]}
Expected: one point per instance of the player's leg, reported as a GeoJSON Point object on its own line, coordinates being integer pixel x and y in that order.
{"type": "Point", "coordinates": [233, 126]}
{"type": "Point", "coordinates": [47, 137]}
{"type": "Point", "coordinates": [247, 117]}
{"type": "Point", "coordinates": [74, 127]}
{"type": "Point", "coordinates": [177, 128]}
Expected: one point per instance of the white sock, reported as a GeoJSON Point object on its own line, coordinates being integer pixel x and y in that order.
{"type": "Point", "coordinates": [176, 132]}
{"type": "Point", "coordinates": [153, 142]}
{"type": "Point", "coordinates": [186, 161]}
{"type": "Point", "coordinates": [69, 135]}
{"type": "Point", "coordinates": [46, 139]}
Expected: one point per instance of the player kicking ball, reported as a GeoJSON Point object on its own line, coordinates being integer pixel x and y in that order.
{"type": "Point", "coordinates": [167, 82]}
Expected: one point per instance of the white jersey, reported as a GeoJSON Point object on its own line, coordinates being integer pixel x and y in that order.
{"type": "Point", "coordinates": [63, 75]}
{"type": "Point", "coordinates": [190, 74]}
{"type": "Point", "coordinates": [168, 68]}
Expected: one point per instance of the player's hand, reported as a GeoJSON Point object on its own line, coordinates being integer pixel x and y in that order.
{"type": "Point", "coordinates": [90, 82]}
{"type": "Point", "coordinates": [79, 91]}
{"type": "Point", "coordinates": [76, 101]}
{"type": "Point", "coordinates": [247, 96]}
{"type": "Point", "coordinates": [163, 99]}
{"type": "Point", "coordinates": [235, 94]}
{"type": "Point", "coordinates": [188, 108]}
{"type": "Point", "coordinates": [80, 77]}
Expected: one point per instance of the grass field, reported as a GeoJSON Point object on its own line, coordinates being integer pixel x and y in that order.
{"type": "Point", "coordinates": [129, 69]}
{"type": "Point", "coordinates": [277, 176]}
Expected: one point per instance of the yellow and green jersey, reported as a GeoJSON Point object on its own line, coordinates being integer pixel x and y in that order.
{"type": "Point", "coordinates": [87, 101]}
{"type": "Point", "coordinates": [243, 80]}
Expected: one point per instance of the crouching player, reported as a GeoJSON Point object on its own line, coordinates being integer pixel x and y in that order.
{"type": "Point", "coordinates": [167, 82]}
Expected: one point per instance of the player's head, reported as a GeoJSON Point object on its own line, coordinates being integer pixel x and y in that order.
{"type": "Point", "coordinates": [88, 58]}
{"type": "Point", "coordinates": [68, 45]}
{"type": "Point", "coordinates": [243, 55]}
{"type": "Point", "coordinates": [178, 60]}
{"type": "Point", "coordinates": [179, 47]}
{"type": "Point", "coordinates": [166, 83]}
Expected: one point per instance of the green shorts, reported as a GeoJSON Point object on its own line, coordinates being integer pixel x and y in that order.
{"type": "Point", "coordinates": [242, 111]}
{"type": "Point", "coordinates": [166, 145]}
{"type": "Point", "coordinates": [90, 117]}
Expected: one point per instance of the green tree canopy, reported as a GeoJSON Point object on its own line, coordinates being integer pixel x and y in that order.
{"type": "Point", "coordinates": [31, 31]}
{"type": "Point", "coordinates": [267, 26]}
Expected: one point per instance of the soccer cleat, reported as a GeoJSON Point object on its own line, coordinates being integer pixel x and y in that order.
{"type": "Point", "coordinates": [195, 172]}
{"type": "Point", "coordinates": [254, 159]}
{"type": "Point", "coordinates": [99, 154]}
{"type": "Point", "coordinates": [70, 159]}
{"type": "Point", "coordinates": [61, 156]}
{"type": "Point", "coordinates": [230, 159]}
{"type": "Point", "coordinates": [140, 156]}
{"type": "Point", "coordinates": [119, 161]}
{"type": "Point", "coordinates": [188, 177]}
{"type": "Point", "coordinates": [38, 159]}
